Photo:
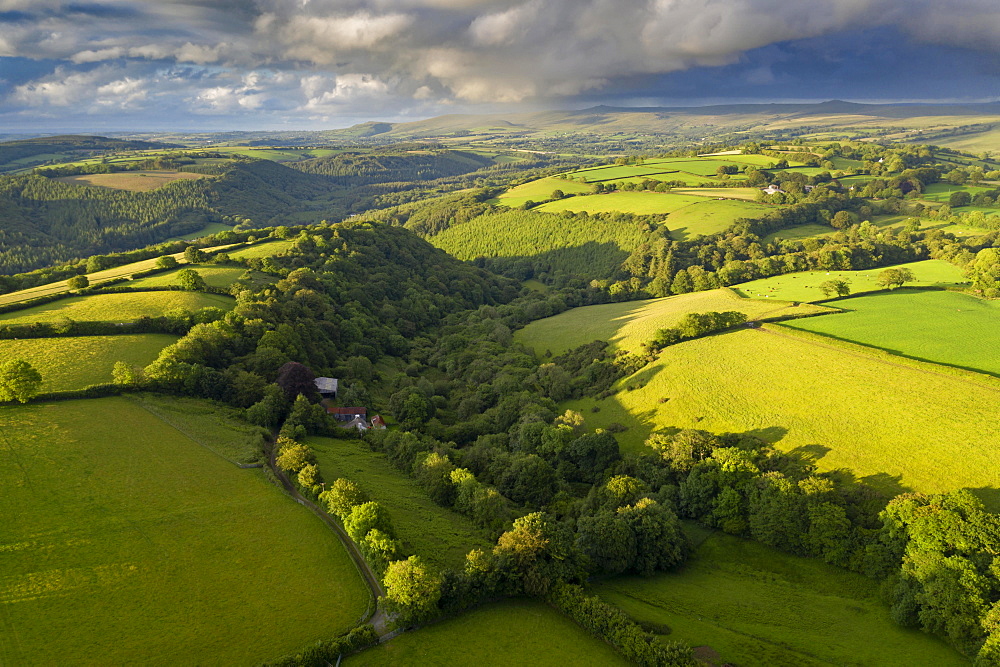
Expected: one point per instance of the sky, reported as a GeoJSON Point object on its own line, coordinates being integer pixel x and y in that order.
{"type": "Point", "coordinates": [165, 65]}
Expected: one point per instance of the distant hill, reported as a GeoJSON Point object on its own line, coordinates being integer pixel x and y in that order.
{"type": "Point", "coordinates": [693, 123]}
{"type": "Point", "coordinates": [29, 152]}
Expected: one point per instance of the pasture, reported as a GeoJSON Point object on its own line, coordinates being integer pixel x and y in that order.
{"type": "Point", "coordinates": [629, 324]}
{"type": "Point", "coordinates": [436, 534]}
{"type": "Point", "coordinates": [746, 194]}
{"type": "Point", "coordinates": [847, 406]}
{"type": "Point", "coordinates": [136, 181]}
{"type": "Point", "coordinates": [215, 276]}
{"type": "Point", "coordinates": [264, 249]}
{"type": "Point", "coordinates": [585, 245]}
{"type": "Point", "coordinates": [75, 362]}
{"type": "Point", "coordinates": [940, 192]}
{"type": "Point", "coordinates": [712, 216]}
{"type": "Point", "coordinates": [96, 277]}
{"type": "Point", "coordinates": [938, 326]}
{"type": "Point", "coordinates": [539, 190]}
{"type": "Point", "coordinates": [216, 427]}
{"type": "Point", "coordinates": [512, 632]}
{"type": "Point", "coordinates": [757, 606]}
{"type": "Point", "coordinates": [805, 286]}
{"type": "Point", "coordinates": [640, 203]}
{"type": "Point", "coordinates": [127, 543]}
{"type": "Point", "coordinates": [123, 307]}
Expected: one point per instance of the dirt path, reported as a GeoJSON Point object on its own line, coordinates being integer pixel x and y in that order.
{"type": "Point", "coordinates": [379, 619]}
{"type": "Point", "coordinates": [872, 357]}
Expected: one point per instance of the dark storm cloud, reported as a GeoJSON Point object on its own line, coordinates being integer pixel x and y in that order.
{"type": "Point", "coordinates": [328, 58]}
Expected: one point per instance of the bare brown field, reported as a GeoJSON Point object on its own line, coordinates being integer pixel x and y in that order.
{"type": "Point", "coordinates": [137, 181]}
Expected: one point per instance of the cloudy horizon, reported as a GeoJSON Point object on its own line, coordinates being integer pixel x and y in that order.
{"type": "Point", "coordinates": [321, 64]}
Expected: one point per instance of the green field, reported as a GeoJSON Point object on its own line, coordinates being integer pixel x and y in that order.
{"type": "Point", "coordinates": [75, 362]}
{"type": "Point", "coordinates": [265, 249]}
{"type": "Point", "coordinates": [123, 271]}
{"type": "Point", "coordinates": [125, 542]}
{"type": "Point", "coordinates": [207, 230]}
{"type": "Point", "coordinates": [712, 216]}
{"type": "Point", "coordinates": [587, 246]}
{"type": "Point", "coordinates": [512, 632]}
{"type": "Point", "coordinates": [898, 423]}
{"type": "Point", "coordinates": [436, 534]}
{"type": "Point", "coordinates": [943, 327]}
{"type": "Point", "coordinates": [757, 606]}
{"type": "Point", "coordinates": [215, 276]}
{"type": "Point", "coordinates": [629, 324]}
{"type": "Point", "coordinates": [640, 203]}
{"type": "Point", "coordinates": [122, 307]}
{"type": "Point", "coordinates": [218, 428]}
{"type": "Point", "coordinates": [746, 194]}
{"type": "Point", "coordinates": [805, 286]}
{"type": "Point", "coordinates": [940, 192]}
{"type": "Point", "coordinates": [540, 190]}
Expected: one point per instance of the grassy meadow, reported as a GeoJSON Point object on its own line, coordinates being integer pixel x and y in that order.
{"type": "Point", "coordinates": [437, 534]}
{"type": "Point", "coordinates": [587, 246]}
{"type": "Point", "coordinates": [849, 407]}
{"type": "Point", "coordinates": [754, 605]}
{"type": "Point", "coordinates": [638, 202]}
{"type": "Point", "coordinates": [265, 249]}
{"type": "Point", "coordinates": [215, 276]}
{"type": "Point", "coordinates": [125, 542]}
{"type": "Point", "coordinates": [137, 181]}
{"type": "Point", "coordinates": [512, 632]}
{"type": "Point", "coordinates": [540, 190]}
{"type": "Point", "coordinates": [121, 307]}
{"type": "Point", "coordinates": [75, 362]}
{"type": "Point", "coordinates": [712, 216]}
{"type": "Point", "coordinates": [629, 324]}
{"type": "Point", "coordinates": [216, 427]}
{"type": "Point", "coordinates": [943, 327]}
{"type": "Point", "coordinates": [805, 286]}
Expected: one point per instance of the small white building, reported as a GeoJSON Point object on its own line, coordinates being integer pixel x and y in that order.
{"type": "Point", "coordinates": [771, 189]}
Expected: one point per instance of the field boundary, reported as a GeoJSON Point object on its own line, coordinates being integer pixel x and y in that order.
{"type": "Point", "coordinates": [979, 379]}
{"type": "Point", "coordinates": [182, 431]}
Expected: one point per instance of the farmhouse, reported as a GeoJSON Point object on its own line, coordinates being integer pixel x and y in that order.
{"type": "Point", "coordinates": [359, 423]}
{"type": "Point", "coordinates": [348, 414]}
{"type": "Point", "coordinates": [327, 387]}
{"type": "Point", "coordinates": [771, 189]}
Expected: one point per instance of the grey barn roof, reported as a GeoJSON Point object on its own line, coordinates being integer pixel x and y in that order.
{"type": "Point", "coordinates": [326, 385]}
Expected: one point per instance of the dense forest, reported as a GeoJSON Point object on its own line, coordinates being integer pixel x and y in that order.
{"type": "Point", "coordinates": [46, 222]}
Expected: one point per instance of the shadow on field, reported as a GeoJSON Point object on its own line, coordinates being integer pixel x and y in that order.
{"type": "Point", "coordinates": [990, 495]}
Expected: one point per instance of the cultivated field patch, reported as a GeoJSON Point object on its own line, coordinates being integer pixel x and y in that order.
{"type": "Point", "coordinates": [540, 190]}
{"type": "Point", "coordinates": [137, 181]}
{"type": "Point", "coordinates": [640, 203]}
{"type": "Point", "coordinates": [75, 362]}
{"type": "Point", "coordinates": [121, 307]}
{"type": "Point", "coordinates": [215, 276]}
{"type": "Point", "coordinates": [436, 534]}
{"type": "Point", "coordinates": [712, 216]}
{"type": "Point", "coordinates": [805, 286]}
{"type": "Point", "coordinates": [265, 249]}
{"type": "Point", "coordinates": [943, 327]}
{"type": "Point", "coordinates": [629, 324]}
{"type": "Point", "coordinates": [512, 632]}
{"type": "Point", "coordinates": [757, 606]}
{"type": "Point", "coordinates": [125, 542]}
{"type": "Point", "coordinates": [897, 423]}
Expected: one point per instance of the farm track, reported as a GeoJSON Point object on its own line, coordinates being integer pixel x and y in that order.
{"type": "Point", "coordinates": [379, 619]}
{"type": "Point", "coordinates": [872, 357]}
